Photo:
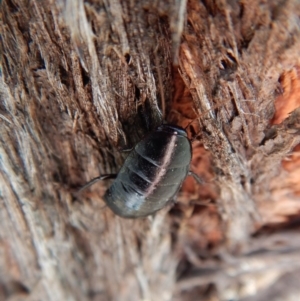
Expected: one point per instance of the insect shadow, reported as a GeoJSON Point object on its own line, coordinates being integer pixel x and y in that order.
{"type": "Point", "coordinates": [151, 175]}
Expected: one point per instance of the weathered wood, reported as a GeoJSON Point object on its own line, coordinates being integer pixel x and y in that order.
{"type": "Point", "coordinates": [82, 80]}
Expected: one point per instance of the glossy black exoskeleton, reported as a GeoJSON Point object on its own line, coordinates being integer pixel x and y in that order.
{"type": "Point", "coordinates": [152, 174]}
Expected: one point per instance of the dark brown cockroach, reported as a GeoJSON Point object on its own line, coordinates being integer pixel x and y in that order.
{"type": "Point", "coordinates": [152, 174]}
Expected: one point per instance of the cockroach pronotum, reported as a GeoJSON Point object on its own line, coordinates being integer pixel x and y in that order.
{"type": "Point", "coordinates": [151, 175]}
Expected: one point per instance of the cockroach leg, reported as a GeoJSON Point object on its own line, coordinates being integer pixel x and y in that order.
{"type": "Point", "coordinates": [95, 180]}
{"type": "Point", "coordinates": [196, 177]}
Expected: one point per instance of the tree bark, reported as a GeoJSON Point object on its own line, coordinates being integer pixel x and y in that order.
{"type": "Point", "coordinates": [83, 80]}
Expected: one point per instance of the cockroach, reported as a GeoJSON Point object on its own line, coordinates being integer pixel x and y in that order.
{"type": "Point", "coordinates": [151, 175]}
